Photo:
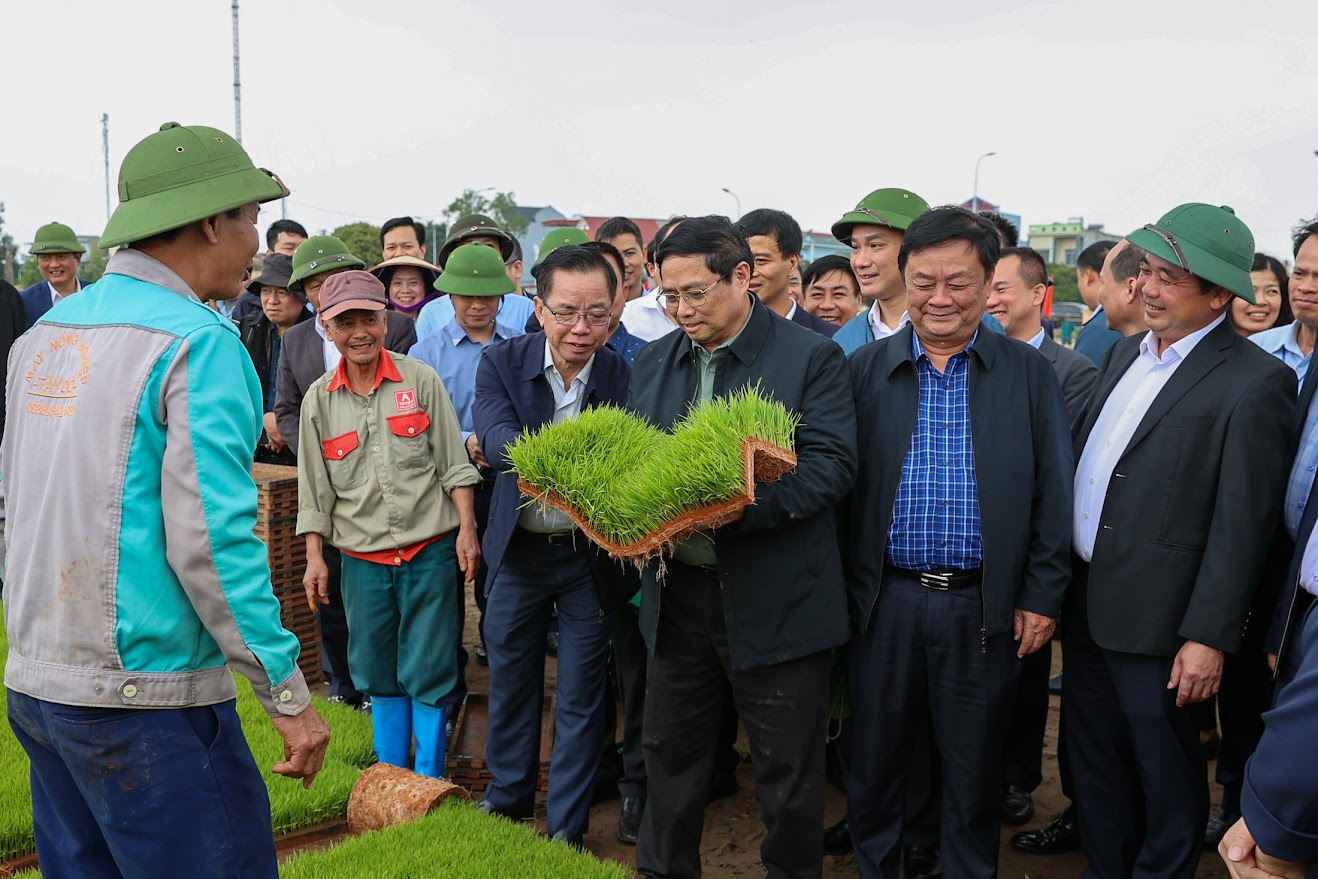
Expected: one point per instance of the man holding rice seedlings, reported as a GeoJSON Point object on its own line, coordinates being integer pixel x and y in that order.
{"type": "Point", "coordinates": [121, 629]}
{"type": "Point", "coordinates": [383, 476]}
{"type": "Point", "coordinates": [957, 551]}
{"type": "Point", "coordinates": [758, 603]}
{"type": "Point", "coordinates": [538, 561]}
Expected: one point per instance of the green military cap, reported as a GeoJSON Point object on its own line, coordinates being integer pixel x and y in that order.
{"type": "Point", "coordinates": [180, 175]}
{"type": "Point", "coordinates": [320, 254]}
{"type": "Point", "coordinates": [475, 270]}
{"type": "Point", "coordinates": [56, 238]}
{"type": "Point", "coordinates": [469, 226]}
{"type": "Point", "coordinates": [558, 238]}
{"type": "Point", "coordinates": [1206, 241]}
{"type": "Point", "coordinates": [882, 207]}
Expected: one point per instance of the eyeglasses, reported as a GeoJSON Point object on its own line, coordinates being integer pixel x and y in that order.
{"type": "Point", "coordinates": [1176, 248]}
{"type": "Point", "coordinates": [695, 299]}
{"type": "Point", "coordinates": [570, 318]}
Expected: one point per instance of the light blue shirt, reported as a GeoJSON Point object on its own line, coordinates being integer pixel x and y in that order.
{"type": "Point", "coordinates": [455, 355]}
{"type": "Point", "coordinates": [435, 316]}
{"type": "Point", "coordinates": [1280, 342]}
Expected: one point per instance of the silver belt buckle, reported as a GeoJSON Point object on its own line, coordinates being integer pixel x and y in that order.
{"type": "Point", "coordinates": [934, 580]}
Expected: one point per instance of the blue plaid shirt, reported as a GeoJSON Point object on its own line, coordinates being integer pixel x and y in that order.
{"type": "Point", "coordinates": [935, 518]}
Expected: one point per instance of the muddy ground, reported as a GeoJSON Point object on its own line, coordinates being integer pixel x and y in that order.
{"type": "Point", "coordinates": [733, 829]}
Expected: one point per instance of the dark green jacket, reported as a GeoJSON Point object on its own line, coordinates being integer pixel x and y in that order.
{"type": "Point", "coordinates": [780, 567]}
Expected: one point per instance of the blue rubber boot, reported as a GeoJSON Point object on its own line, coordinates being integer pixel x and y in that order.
{"type": "Point", "coordinates": [428, 723]}
{"type": "Point", "coordinates": [391, 722]}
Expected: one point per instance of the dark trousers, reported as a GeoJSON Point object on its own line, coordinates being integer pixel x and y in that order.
{"type": "Point", "coordinates": [784, 708]}
{"type": "Point", "coordinates": [144, 793]}
{"type": "Point", "coordinates": [458, 695]}
{"type": "Point", "coordinates": [922, 657]}
{"type": "Point", "coordinates": [1029, 718]}
{"type": "Point", "coordinates": [535, 577]}
{"type": "Point", "coordinates": [332, 622]}
{"type": "Point", "coordinates": [1245, 694]}
{"type": "Point", "coordinates": [630, 661]}
{"type": "Point", "coordinates": [1140, 777]}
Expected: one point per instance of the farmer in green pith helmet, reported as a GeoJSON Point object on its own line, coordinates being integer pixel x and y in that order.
{"type": "Point", "coordinates": [483, 230]}
{"type": "Point", "coordinates": [130, 433]}
{"type": "Point", "coordinates": [58, 253]}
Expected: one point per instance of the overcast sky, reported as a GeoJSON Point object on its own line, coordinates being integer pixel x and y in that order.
{"type": "Point", "coordinates": [1112, 111]}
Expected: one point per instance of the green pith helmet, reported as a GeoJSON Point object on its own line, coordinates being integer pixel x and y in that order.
{"type": "Point", "coordinates": [180, 175]}
{"type": "Point", "coordinates": [1209, 242]}
{"type": "Point", "coordinates": [475, 270]}
{"type": "Point", "coordinates": [471, 225]}
{"type": "Point", "coordinates": [559, 237]}
{"type": "Point", "coordinates": [882, 207]}
{"type": "Point", "coordinates": [56, 238]}
{"type": "Point", "coordinates": [320, 254]}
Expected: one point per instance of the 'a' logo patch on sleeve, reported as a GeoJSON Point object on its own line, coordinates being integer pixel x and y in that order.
{"type": "Point", "coordinates": [406, 400]}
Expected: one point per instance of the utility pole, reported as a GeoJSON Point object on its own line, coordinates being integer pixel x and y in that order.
{"type": "Point", "coordinates": [105, 152]}
{"type": "Point", "coordinates": [237, 84]}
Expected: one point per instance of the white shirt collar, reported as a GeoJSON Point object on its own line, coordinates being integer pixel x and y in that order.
{"type": "Point", "coordinates": [791, 312]}
{"type": "Point", "coordinates": [1181, 348]}
{"type": "Point", "coordinates": [1037, 340]}
{"type": "Point", "coordinates": [551, 371]}
{"type": "Point", "coordinates": [878, 328]}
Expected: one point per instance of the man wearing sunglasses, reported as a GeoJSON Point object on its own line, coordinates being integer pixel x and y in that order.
{"type": "Point", "coordinates": [760, 602]}
{"type": "Point", "coordinates": [1171, 496]}
{"type": "Point", "coordinates": [537, 559]}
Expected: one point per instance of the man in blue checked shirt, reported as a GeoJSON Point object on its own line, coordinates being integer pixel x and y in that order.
{"type": "Point", "coordinates": [959, 544]}
{"type": "Point", "coordinates": [476, 283]}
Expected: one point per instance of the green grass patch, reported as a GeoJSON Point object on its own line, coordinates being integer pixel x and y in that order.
{"type": "Point", "coordinates": [456, 841]}
{"type": "Point", "coordinates": [628, 478]}
{"type": "Point", "coordinates": [292, 807]}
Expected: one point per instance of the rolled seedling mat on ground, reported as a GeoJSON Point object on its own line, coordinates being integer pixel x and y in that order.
{"type": "Point", "coordinates": [763, 462]}
{"type": "Point", "coordinates": [387, 795]}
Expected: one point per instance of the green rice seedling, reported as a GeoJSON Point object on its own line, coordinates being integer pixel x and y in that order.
{"type": "Point", "coordinates": [456, 841]}
{"type": "Point", "coordinates": [628, 478]}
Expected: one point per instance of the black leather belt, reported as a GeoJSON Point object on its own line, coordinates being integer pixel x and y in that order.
{"type": "Point", "coordinates": [943, 581]}
{"type": "Point", "coordinates": [553, 538]}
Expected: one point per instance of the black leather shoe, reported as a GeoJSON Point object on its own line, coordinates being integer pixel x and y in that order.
{"type": "Point", "coordinates": [1055, 683]}
{"type": "Point", "coordinates": [482, 655]}
{"type": "Point", "coordinates": [837, 839]}
{"type": "Point", "coordinates": [551, 644]}
{"type": "Point", "coordinates": [921, 862]}
{"type": "Point", "coordinates": [572, 839]}
{"type": "Point", "coordinates": [1218, 825]}
{"type": "Point", "coordinates": [1017, 806]}
{"type": "Point", "coordinates": [629, 819]}
{"type": "Point", "coordinates": [1060, 836]}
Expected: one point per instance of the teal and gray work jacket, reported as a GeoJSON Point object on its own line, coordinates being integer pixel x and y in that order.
{"type": "Point", "coordinates": [133, 571]}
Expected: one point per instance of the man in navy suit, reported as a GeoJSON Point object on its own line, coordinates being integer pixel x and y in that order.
{"type": "Point", "coordinates": [775, 242]}
{"type": "Point", "coordinates": [538, 561]}
{"type": "Point", "coordinates": [58, 253]}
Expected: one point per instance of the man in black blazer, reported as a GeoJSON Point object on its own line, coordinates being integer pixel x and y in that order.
{"type": "Point", "coordinates": [538, 561]}
{"type": "Point", "coordinates": [775, 243]}
{"type": "Point", "coordinates": [305, 354]}
{"type": "Point", "coordinates": [956, 548]}
{"type": "Point", "coordinates": [758, 603]}
{"type": "Point", "coordinates": [1171, 492]}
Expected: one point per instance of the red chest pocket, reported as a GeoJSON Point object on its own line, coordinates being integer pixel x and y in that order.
{"type": "Point", "coordinates": [339, 447]}
{"type": "Point", "coordinates": [411, 424]}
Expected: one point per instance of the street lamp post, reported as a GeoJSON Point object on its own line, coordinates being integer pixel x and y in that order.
{"type": "Point", "coordinates": [975, 198]}
{"type": "Point", "coordinates": [738, 200]}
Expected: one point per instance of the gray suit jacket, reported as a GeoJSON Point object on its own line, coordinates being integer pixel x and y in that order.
{"type": "Point", "coordinates": [1076, 373]}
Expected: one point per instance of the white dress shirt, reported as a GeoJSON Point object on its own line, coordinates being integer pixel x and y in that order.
{"type": "Point", "coordinates": [1037, 340]}
{"type": "Point", "coordinates": [878, 328]}
{"type": "Point", "coordinates": [56, 296]}
{"type": "Point", "coordinates": [646, 318]}
{"type": "Point", "coordinates": [567, 405]}
{"type": "Point", "coordinates": [332, 355]}
{"type": "Point", "coordinates": [1125, 408]}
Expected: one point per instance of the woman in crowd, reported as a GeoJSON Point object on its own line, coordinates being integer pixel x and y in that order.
{"type": "Point", "coordinates": [409, 283]}
{"type": "Point", "coordinates": [1272, 306]}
